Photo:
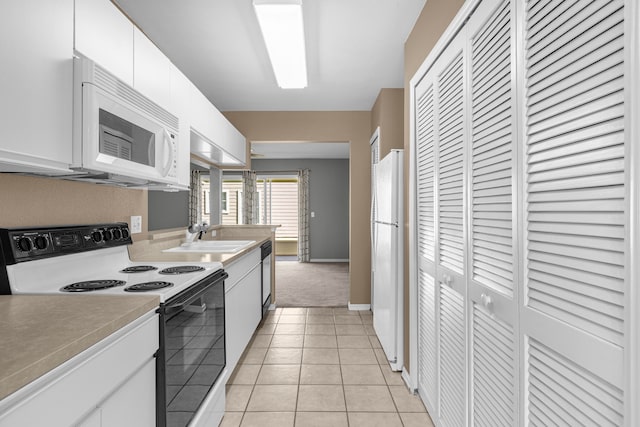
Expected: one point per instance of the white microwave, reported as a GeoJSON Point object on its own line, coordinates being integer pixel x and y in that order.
{"type": "Point", "coordinates": [119, 135]}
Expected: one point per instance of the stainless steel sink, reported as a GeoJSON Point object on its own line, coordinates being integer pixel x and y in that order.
{"type": "Point", "coordinates": [208, 246]}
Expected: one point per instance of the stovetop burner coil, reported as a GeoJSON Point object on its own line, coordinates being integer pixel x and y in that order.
{"type": "Point", "coordinates": [181, 269]}
{"type": "Point", "coordinates": [138, 269]}
{"type": "Point", "coordinates": [148, 286]}
{"type": "Point", "coordinates": [92, 285]}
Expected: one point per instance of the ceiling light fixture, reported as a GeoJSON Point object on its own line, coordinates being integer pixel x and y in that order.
{"type": "Point", "coordinates": [283, 33]}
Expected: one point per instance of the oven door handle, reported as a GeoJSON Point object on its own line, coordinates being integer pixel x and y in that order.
{"type": "Point", "coordinates": [182, 300]}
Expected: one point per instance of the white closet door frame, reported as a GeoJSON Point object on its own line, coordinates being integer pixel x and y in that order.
{"type": "Point", "coordinates": [632, 88]}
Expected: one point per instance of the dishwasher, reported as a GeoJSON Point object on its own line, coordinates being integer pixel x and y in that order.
{"type": "Point", "coordinates": [266, 249]}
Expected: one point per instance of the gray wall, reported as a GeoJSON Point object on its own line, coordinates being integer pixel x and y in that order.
{"type": "Point", "coordinates": [329, 200]}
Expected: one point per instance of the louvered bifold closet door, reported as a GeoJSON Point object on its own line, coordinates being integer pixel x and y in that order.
{"type": "Point", "coordinates": [450, 231]}
{"type": "Point", "coordinates": [492, 262]}
{"type": "Point", "coordinates": [425, 137]}
{"type": "Point", "coordinates": [574, 307]}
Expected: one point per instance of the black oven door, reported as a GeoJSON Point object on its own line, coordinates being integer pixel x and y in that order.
{"type": "Point", "coordinates": [192, 349]}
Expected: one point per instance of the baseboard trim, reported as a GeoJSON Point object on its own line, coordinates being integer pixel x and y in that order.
{"type": "Point", "coordinates": [328, 260]}
{"type": "Point", "coordinates": [359, 307]}
{"type": "Point", "coordinates": [406, 377]}
{"type": "Point", "coordinates": [272, 307]}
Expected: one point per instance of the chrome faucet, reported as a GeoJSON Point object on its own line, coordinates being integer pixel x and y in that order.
{"type": "Point", "coordinates": [198, 229]}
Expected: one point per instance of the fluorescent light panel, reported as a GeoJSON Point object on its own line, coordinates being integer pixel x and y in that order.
{"type": "Point", "coordinates": [283, 33]}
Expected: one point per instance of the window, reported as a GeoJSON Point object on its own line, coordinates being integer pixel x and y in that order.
{"type": "Point", "coordinates": [225, 198]}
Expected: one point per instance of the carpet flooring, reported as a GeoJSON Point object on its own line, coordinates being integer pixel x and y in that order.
{"type": "Point", "coordinates": [312, 284]}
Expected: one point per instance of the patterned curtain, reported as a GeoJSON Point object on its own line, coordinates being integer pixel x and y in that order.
{"type": "Point", "coordinates": [249, 198]}
{"type": "Point", "coordinates": [195, 189]}
{"type": "Point", "coordinates": [303, 215]}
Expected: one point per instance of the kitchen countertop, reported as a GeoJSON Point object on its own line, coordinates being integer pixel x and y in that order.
{"type": "Point", "coordinates": [151, 250]}
{"type": "Point", "coordinates": [40, 332]}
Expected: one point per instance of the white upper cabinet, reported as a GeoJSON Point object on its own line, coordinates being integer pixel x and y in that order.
{"type": "Point", "coordinates": [180, 87]}
{"type": "Point", "coordinates": [105, 35]}
{"type": "Point", "coordinates": [36, 42]}
{"type": "Point", "coordinates": [151, 71]}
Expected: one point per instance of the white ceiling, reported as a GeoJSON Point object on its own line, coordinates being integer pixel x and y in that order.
{"type": "Point", "coordinates": [354, 48]}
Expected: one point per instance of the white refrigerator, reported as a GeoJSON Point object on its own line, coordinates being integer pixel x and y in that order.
{"type": "Point", "coordinates": [388, 254]}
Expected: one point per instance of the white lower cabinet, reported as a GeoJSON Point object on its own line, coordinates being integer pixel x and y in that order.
{"type": "Point", "coordinates": [111, 384]}
{"type": "Point", "coordinates": [243, 305]}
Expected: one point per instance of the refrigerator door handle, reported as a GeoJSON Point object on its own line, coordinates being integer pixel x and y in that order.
{"type": "Point", "coordinates": [395, 224]}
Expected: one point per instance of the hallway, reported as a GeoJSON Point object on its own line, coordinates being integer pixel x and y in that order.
{"type": "Point", "coordinates": [308, 367]}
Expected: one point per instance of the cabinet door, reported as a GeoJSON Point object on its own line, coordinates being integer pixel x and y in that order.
{"type": "Point", "coordinates": [575, 302]}
{"type": "Point", "coordinates": [180, 102]}
{"type": "Point", "coordinates": [441, 136]}
{"type": "Point", "coordinates": [105, 35]}
{"type": "Point", "coordinates": [134, 402]}
{"type": "Point", "coordinates": [36, 40]}
{"type": "Point", "coordinates": [152, 71]}
{"type": "Point", "coordinates": [493, 263]}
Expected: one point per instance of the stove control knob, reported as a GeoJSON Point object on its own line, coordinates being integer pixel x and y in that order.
{"type": "Point", "coordinates": [96, 236]}
{"type": "Point", "coordinates": [24, 244]}
{"type": "Point", "coordinates": [117, 234]}
{"type": "Point", "coordinates": [125, 233]}
{"type": "Point", "coordinates": [106, 234]}
{"type": "Point", "coordinates": [41, 242]}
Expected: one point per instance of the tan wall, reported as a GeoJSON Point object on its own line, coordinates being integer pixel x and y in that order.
{"type": "Point", "coordinates": [328, 126]}
{"type": "Point", "coordinates": [432, 22]}
{"type": "Point", "coordinates": [388, 114]}
{"type": "Point", "coordinates": [34, 201]}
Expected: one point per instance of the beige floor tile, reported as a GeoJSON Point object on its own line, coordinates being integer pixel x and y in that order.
{"type": "Point", "coordinates": [374, 419]}
{"type": "Point", "coordinates": [350, 330]}
{"type": "Point", "coordinates": [276, 398]}
{"type": "Point", "coordinates": [271, 317]}
{"type": "Point", "coordinates": [283, 356]}
{"type": "Point", "coordinates": [288, 341]}
{"type": "Point", "coordinates": [320, 319]}
{"type": "Point", "coordinates": [321, 419]}
{"type": "Point", "coordinates": [345, 310]}
{"type": "Point", "coordinates": [353, 341]}
{"type": "Point", "coordinates": [405, 400]}
{"type": "Point", "coordinates": [320, 329]}
{"type": "Point", "coordinates": [346, 319]}
{"type": "Point", "coordinates": [254, 355]}
{"type": "Point", "coordinates": [367, 318]}
{"type": "Point", "coordinates": [231, 419]}
{"type": "Point", "coordinates": [382, 358]}
{"type": "Point", "coordinates": [416, 419]}
{"type": "Point", "coordinates": [391, 377]}
{"type": "Point", "coordinates": [320, 341]}
{"type": "Point", "coordinates": [320, 311]}
{"type": "Point", "coordinates": [266, 329]}
{"type": "Point", "coordinates": [320, 374]}
{"type": "Point", "coordinates": [375, 342]}
{"type": "Point", "coordinates": [368, 398]}
{"type": "Point", "coordinates": [321, 398]}
{"type": "Point", "coordinates": [320, 356]}
{"type": "Point", "coordinates": [237, 397]}
{"type": "Point", "coordinates": [294, 310]}
{"type": "Point", "coordinates": [369, 330]}
{"type": "Point", "coordinates": [290, 318]}
{"type": "Point", "coordinates": [260, 341]}
{"type": "Point", "coordinates": [362, 375]}
{"type": "Point", "coordinates": [244, 374]}
{"type": "Point", "coordinates": [357, 356]}
{"type": "Point", "coordinates": [268, 419]}
{"type": "Point", "coordinates": [289, 329]}
{"type": "Point", "coordinates": [279, 374]}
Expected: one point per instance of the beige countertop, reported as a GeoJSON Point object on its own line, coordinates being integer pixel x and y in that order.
{"type": "Point", "coordinates": [40, 332]}
{"type": "Point", "coordinates": [151, 250]}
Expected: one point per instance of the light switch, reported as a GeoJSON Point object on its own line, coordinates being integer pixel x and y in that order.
{"type": "Point", "coordinates": [313, 214]}
{"type": "Point", "coordinates": [136, 224]}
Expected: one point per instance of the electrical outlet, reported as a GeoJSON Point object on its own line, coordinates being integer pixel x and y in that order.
{"type": "Point", "coordinates": [136, 224]}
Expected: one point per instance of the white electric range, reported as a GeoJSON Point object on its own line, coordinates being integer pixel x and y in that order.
{"type": "Point", "coordinates": [94, 260]}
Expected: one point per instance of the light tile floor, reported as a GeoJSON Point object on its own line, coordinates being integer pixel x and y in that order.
{"type": "Point", "coordinates": [317, 367]}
